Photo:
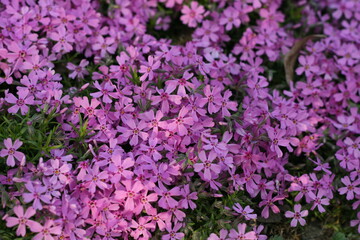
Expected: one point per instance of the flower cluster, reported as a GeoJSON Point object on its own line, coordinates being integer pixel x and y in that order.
{"type": "Point", "coordinates": [147, 126]}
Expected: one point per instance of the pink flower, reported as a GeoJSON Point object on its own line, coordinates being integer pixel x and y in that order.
{"type": "Point", "coordinates": [318, 200]}
{"type": "Point", "coordinates": [64, 40]}
{"type": "Point", "coordinates": [165, 98]}
{"type": "Point", "coordinates": [223, 235]}
{"type": "Point", "coordinates": [207, 165]}
{"type": "Point", "coordinates": [132, 188]}
{"type": "Point", "coordinates": [134, 132]}
{"type": "Point", "coordinates": [245, 212]}
{"type": "Point", "coordinates": [230, 18]}
{"type": "Point", "coordinates": [212, 98]}
{"type": "Point", "coordinates": [21, 102]}
{"type": "Point", "coordinates": [276, 137]}
{"type": "Point", "coordinates": [142, 228]}
{"type": "Point", "coordinates": [188, 197]}
{"type": "Point", "coordinates": [166, 201]}
{"type": "Point", "coordinates": [96, 179]}
{"type": "Point", "coordinates": [241, 234]}
{"type": "Point", "coordinates": [78, 71]}
{"type": "Point", "coordinates": [173, 233]}
{"type": "Point", "coordinates": [350, 189]}
{"type": "Point", "coordinates": [308, 65]}
{"type": "Point", "coordinates": [353, 146]}
{"type": "Point", "coordinates": [355, 222]}
{"type": "Point", "coordinates": [22, 220]}
{"type": "Point", "coordinates": [181, 83]}
{"type": "Point", "coordinates": [36, 193]}
{"type": "Point", "coordinates": [178, 124]}
{"type": "Point", "coordinates": [10, 151]}
{"type": "Point", "coordinates": [149, 70]}
{"type": "Point", "coordinates": [56, 172]}
{"type": "Point", "coordinates": [193, 15]}
{"type": "Point", "coordinates": [297, 216]}
{"type": "Point", "coordinates": [120, 167]}
{"type": "Point", "coordinates": [106, 91]}
{"type": "Point", "coordinates": [47, 231]}
{"type": "Point", "coordinates": [269, 204]}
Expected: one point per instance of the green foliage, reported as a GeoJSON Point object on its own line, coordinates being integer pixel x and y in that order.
{"type": "Point", "coordinates": [39, 133]}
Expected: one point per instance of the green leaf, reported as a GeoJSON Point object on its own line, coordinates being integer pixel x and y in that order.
{"type": "Point", "coordinates": [339, 236]}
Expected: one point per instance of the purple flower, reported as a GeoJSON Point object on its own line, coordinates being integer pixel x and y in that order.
{"type": "Point", "coordinates": [230, 18]}
{"type": "Point", "coordinates": [47, 231]}
{"type": "Point", "coordinates": [78, 71]}
{"type": "Point", "coordinates": [11, 153]}
{"type": "Point", "coordinates": [95, 178]}
{"type": "Point", "coordinates": [241, 233]}
{"type": "Point", "coordinates": [207, 165]}
{"type": "Point", "coordinates": [318, 200]}
{"type": "Point", "coordinates": [22, 220]}
{"type": "Point", "coordinates": [173, 233]}
{"type": "Point", "coordinates": [64, 40]}
{"type": "Point", "coordinates": [297, 216]}
{"type": "Point", "coordinates": [350, 189]}
{"type": "Point", "coordinates": [20, 103]}
{"type": "Point", "coordinates": [148, 71]}
{"type": "Point", "coordinates": [36, 193]}
{"type": "Point", "coordinates": [276, 137]}
{"type": "Point", "coordinates": [245, 212]}
{"type": "Point", "coordinates": [353, 146]}
{"type": "Point", "coordinates": [131, 191]}
{"type": "Point", "coordinates": [193, 14]}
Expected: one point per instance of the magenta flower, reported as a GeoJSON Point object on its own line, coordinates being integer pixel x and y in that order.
{"type": "Point", "coordinates": [46, 232]}
{"type": "Point", "coordinates": [57, 172]}
{"type": "Point", "coordinates": [148, 71]}
{"type": "Point", "coordinates": [64, 40]}
{"type": "Point", "coordinates": [20, 103]}
{"type": "Point", "coordinates": [276, 137]}
{"type": "Point", "coordinates": [268, 202]}
{"type": "Point", "coordinates": [78, 71]}
{"type": "Point", "coordinates": [36, 193]}
{"type": "Point", "coordinates": [226, 104]}
{"type": "Point", "coordinates": [353, 146]}
{"type": "Point", "coordinates": [166, 201]}
{"type": "Point", "coordinates": [241, 233]}
{"type": "Point", "coordinates": [22, 220]}
{"type": "Point", "coordinates": [141, 228]}
{"type": "Point", "coordinates": [120, 168]}
{"type": "Point", "coordinates": [96, 178]}
{"type": "Point", "coordinates": [246, 212]}
{"type": "Point", "coordinates": [144, 203]}
{"type": "Point", "coordinates": [181, 84]}
{"type": "Point", "coordinates": [193, 14]}
{"type": "Point", "coordinates": [165, 98]}
{"type": "Point", "coordinates": [207, 165]}
{"type": "Point", "coordinates": [212, 98]}
{"type": "Point", "coordinates": [10, 151]}
{"type": "Point", "coordinates": [131, 191]}
{"type": "Point", "coordinates": [308, 65]}
{"type": "Point", "coordinates": [297, 215]}
{"type": "Point", "coordinates": [188, 197]}
{"type": "Point", "coordinates": [350, 189]}
{"type": "Point", "coordinates": [134, 132]}
{"type": "Point", "coordinates": [179, 124]}
{"type": "Point", "coordinates": [223, 235]}
{"type": "Point", "coordinates": [173, 233]}
{"type": "Point", "coordinates": [230, 18]}
{"type": "Point", "coordinates": [106, 91]}
{"type": "Point", "coordinates": [318, 200]}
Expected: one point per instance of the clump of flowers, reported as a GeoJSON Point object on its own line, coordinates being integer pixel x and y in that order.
{"type": "Point", "coordinates": [109, 131]}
